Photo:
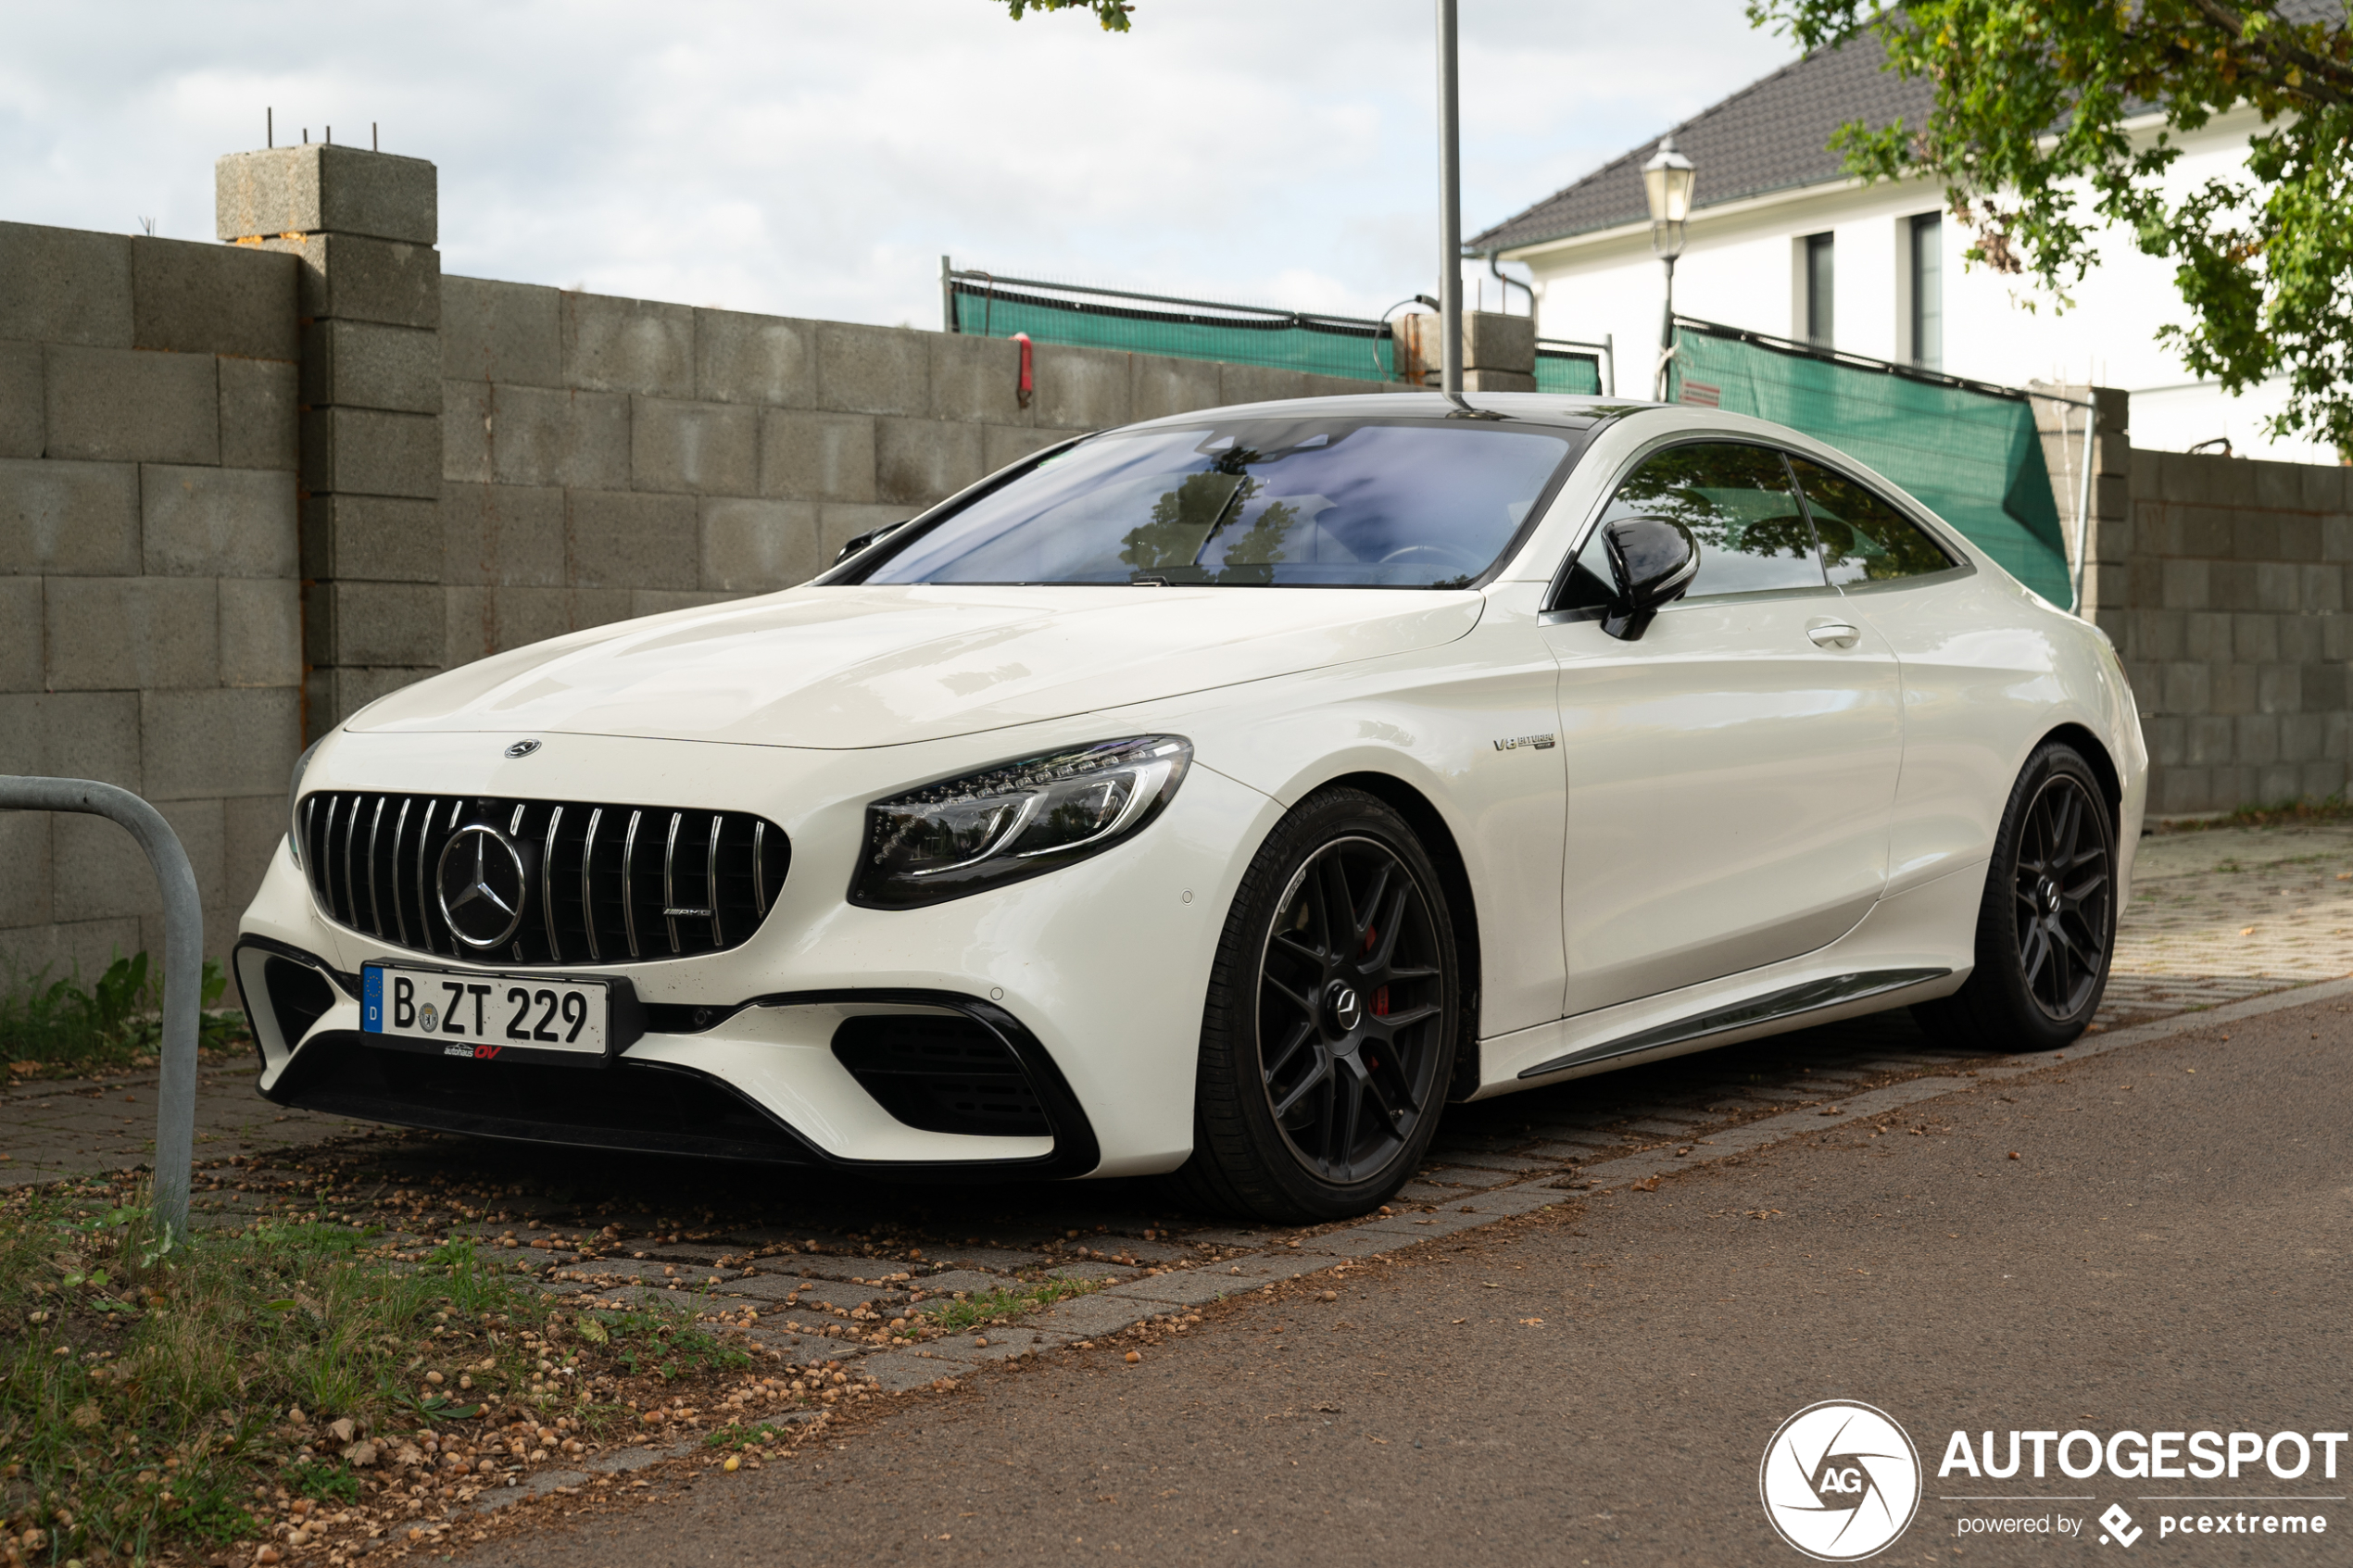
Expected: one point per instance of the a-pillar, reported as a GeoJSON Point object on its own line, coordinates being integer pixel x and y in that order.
{"type": "Point", "coordinates": [364, 226]}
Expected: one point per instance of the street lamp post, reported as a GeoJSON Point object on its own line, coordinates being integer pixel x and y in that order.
{"type": "Point", "coordinates": [1667, 182]}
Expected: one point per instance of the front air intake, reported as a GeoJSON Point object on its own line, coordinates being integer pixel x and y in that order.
{"type": "Point", "coordinates": [941, 1075]}
{"type": "Point", "coordinates": [589, 883]}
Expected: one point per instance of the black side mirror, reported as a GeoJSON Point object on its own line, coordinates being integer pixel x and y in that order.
{"type": "Point", "coordinates": [857, 542]}
{"type": "Point", "coordinates": [1652, 561]}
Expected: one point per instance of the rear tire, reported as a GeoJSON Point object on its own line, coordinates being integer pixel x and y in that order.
{"type": "Point", "coordinates": [1329, 1031]}
{"type": "Point", "coordinates": [2046, 927]}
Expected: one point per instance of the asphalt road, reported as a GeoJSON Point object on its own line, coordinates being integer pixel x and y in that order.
{"type": "Point", "coordinates": [2169, 1249]}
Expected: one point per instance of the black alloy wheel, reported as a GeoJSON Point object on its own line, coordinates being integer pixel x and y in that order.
{"type": "Point", "coordinates": [1334, 1007]}
{"type": "Point", "coordinates": [2046, 926]}
{"type": "Point", "coordinates": [1350, 996]}
{"type": "Point", "coordinates": [2065, 884]}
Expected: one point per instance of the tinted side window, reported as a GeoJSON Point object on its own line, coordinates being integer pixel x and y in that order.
{"type": "Point", "coordinates": [1864, 538]}
{"type": "Point", "coordinates": [1737, 502]}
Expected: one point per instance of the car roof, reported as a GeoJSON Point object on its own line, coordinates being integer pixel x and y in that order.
{"type": "Point", "coordinates": [1523, 408]}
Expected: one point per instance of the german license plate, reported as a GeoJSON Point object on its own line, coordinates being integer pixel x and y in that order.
{"type": "Point", "coordinates": [485, 1016]}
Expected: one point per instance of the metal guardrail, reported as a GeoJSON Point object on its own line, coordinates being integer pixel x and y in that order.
{"type": "Point", "coordinates": [182, 966]}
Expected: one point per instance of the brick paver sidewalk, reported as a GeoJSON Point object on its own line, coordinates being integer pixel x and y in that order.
{"type": "Point", "coordinates": [2231, 913]}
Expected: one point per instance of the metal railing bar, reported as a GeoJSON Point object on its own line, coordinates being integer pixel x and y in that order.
{"type": "Point", "coordinates": [182, 968]}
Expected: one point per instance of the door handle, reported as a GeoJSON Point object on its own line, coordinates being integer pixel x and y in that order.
{"type": "Point", "coordinates": [1834, 634]}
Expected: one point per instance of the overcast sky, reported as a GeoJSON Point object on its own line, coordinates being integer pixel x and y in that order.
{"type": "Point", "coordinates": [815, 157]}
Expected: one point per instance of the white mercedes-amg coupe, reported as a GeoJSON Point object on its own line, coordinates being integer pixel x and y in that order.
{"type": "Point", "coordinates": [1220, 796]}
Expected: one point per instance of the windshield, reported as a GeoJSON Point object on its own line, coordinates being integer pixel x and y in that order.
{"type": "Point", "coordinates": [1253, 503]}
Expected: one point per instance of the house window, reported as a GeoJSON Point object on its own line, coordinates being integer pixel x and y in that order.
{"type": "Point", "coordinates": [1928, 290]}
{"type": "Point", "coordinates": [1821, 270]}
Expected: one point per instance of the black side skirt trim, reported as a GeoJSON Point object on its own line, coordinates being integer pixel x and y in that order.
{"type": "Point", "coordinates": [1796, 1000]}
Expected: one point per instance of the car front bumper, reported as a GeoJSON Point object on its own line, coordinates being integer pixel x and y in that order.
{"type": "Point", "coordinates": [1090, 979]}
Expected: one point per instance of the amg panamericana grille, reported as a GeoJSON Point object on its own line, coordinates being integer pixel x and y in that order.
{"type": "Point", "coordinates": [602, 882]}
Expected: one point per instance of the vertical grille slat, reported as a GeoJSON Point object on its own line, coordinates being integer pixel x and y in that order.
{"type": "Point", "coordinates": [399, 829]}
{"type": "Point", "coordinates": [758, 871]}
{"type": "Point", "coordinates": [424, 888]}
{"type": "Point", "coordinates": [628, 864]}
{"type": "Point", "coordinates": [587, 898]}
{"type": "Point", "coordinates": [711, 879]}
{"type": "Point", "coordinates": [547, 886]}
{"type": "Point", "coordinates": [669, 877]}
{"type": "Point", "coordinates": [373, 880]}
{"type": "Point", "coordinates": [375, 831]}
{"type": "Point", "coordinates": [345, 907]}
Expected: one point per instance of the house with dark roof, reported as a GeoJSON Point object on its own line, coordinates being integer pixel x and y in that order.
{"type": "Point", "coordinates": [1783, 242]}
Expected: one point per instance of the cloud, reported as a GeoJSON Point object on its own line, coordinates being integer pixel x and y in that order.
{"type": "Point", "coordinates": [816, 159]}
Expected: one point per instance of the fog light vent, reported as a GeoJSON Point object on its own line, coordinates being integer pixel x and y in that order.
{"type": "Point", "coordinates": [941, 1073]}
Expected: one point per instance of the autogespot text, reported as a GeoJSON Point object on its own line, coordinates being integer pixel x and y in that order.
{"type": "Point", "coordinates": [2156, 1456]}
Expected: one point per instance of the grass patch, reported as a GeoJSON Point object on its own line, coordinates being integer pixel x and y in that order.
{"type": "Point", "coordinates": [56, 1028]}
{"type": "Point", "coordinates": [660, 1345]}
{"type": "Point", "coordinates": [192, 1396]}
{"type": "Point", "coordinates": [998, 1306]}
{"type": "Point", "coordinates": [736, 1436]}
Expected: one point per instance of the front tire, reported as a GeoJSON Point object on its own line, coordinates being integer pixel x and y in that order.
{"type": "Point", "coordinates": [2046, 928]}
{"type": "Point", "coordinates": [1329, 1031]}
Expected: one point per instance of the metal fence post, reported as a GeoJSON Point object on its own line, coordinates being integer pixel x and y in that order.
{"type": "Point", "coordinates": [182, 966]}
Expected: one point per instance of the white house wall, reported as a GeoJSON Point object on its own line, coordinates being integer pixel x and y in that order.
{"type": "Point", "coordinates": [1741, 268]}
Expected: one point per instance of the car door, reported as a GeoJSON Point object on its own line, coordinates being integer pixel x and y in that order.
{"type": "Point", "coordinates": [1976, 678]}
{"type": "Point", "coordinates": [1731, 771]}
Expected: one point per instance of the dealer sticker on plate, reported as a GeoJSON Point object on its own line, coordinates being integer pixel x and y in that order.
{"type": "Point", "coordinates": [484, 1016]}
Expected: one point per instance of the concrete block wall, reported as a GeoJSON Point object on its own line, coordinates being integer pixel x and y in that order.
{"type": "Point", "coordinates": [608, 458]}
{"type": "Point", "coordinates": [2225, 585]}
{"type": "Point", "coordinates": [362, 226]}
{"type": "Point", "coordinates": [149, 585]}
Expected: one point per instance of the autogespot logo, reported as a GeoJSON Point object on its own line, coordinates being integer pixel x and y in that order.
{"type": "Point", "coordinates": [1840, 1481]}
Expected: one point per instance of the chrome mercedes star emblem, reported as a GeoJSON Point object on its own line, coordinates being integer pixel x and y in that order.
{"type": "Point", "coordinates": [523, 749]}
{"type": "Point", "coordinates": [480, 885]}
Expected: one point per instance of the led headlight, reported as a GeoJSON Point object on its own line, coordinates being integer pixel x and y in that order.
{"type": "Point", "coordinates": [293, 798]}
{"type": "Point", "coordinates": [1014, 821]}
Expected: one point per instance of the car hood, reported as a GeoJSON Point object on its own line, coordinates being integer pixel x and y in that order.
{"type": "Point", "coordinates": [846, 667]}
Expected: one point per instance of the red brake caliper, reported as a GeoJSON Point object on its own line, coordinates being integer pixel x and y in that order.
{"type": "Point", "coordinates": [1380, 994]}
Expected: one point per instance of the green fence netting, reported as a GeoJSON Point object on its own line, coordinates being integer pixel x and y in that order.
{"type": "Point", "coordinates": [1970, 453]}
{"type": "Point", "coordinates": [1565, 371]}
{"type": "Point", "coordinates": [1233, 334]}
{"type": "Point", "coordinates": [1357, 347]}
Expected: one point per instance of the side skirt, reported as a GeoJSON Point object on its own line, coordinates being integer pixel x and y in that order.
{"type": "Point", "coordinates": [1773, 1008]}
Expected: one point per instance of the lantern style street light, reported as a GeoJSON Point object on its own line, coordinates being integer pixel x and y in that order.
{"type": "Point", "coordinates": [1667, 179]}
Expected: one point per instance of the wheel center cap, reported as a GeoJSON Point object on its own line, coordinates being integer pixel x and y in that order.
{"type": "Point", "coordinates": [2050, 894]}
{"type": "Point", "coordinates": [1344, 1006]}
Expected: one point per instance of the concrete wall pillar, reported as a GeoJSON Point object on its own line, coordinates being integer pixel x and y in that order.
{"type": "Point", "coordinates": [2061, 420]}
{"type": "Point", "coordinates": [364, 226]}
{"type": "Point", "coordinates": [1499, 351]}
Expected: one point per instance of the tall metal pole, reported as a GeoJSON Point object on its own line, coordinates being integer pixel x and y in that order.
{"type": "Point", "coordinates": [1666, 331]}
{"type": "Point", "coordinates": [1450, 205]}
